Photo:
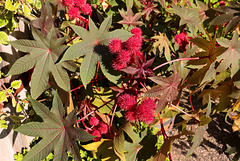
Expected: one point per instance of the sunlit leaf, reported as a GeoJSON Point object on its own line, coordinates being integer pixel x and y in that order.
{"type": "Point", "coordinates": [3, 124]}
{"type": "Point", "coordinates": [3, 38]}
{"type": "Point", "coordinates": [129, 19]}
{"type": "Point", "coordinates": [44, 53]}
{"type": "Point", "coordinates": [148, 9]}
{"type": "Point", "coordinates": [19, 107]}
{"type": "Point", "coordinates": [189, 16]}
{"type": "Point", "coordinates": [236, 125]}
{"type": "Point", "coordinates": [206, 58]}
{"type": "Point", "coordinates": [231, 56]}
{"type": "Point", "coordinates": [3, 96]}
{"type": "Point", "coordinates": [16, 84]}
{"type": "Point", "coordinates": [163, 42]}
{"type": "Point", "coordinates": [57, 132]}
{"type": "Point", "coordinates": [94, 49]}
{"type": "Point", "coordinates": [3, 21]}
{"type": "Point", "coordinates": [167, 89]}
{"type": "Point", "coordinates": [9, 6]}
{"type": "Point", "coordinates": [197, 139]}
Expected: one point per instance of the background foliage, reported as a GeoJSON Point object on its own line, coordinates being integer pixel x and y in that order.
{"type": "Point", "coordinates": [119, 68]}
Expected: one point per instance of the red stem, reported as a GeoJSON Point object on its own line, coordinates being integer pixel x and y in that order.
{"type": "Point", "coordinates": [180, 59]}
{"type": "Point", "coordinates": [2, 2]}
{"type": "Point", "coordinates": [94, 110]}
{"type": "Point", "coordinates": [3, 84]}
{"type": "Point", "coordinates": [190, 98]}
{"type": "Point", "coordinates": [164, 135]}
{"type": "Point", "coordinates": [113, 115]}
{"type": "Point", "coordinates": [185, 113]}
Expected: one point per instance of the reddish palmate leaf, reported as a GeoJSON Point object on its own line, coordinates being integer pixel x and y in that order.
{"type": "Point", "coordinates": [45, 21]}
{"type": "Point", "coordinates": [58, 133]}
{"type": "Point", "coordinates": [129, 19]}
{"type": "Point", "coordinates": [230, 16]}
{"type": "Point", "coordinates": [148, 9]}
{"type": "Point", "coordinates": [140, 68]}
{"type": "Point", "coordinates": [167, 89]}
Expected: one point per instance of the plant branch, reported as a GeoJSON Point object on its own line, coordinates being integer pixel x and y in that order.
{"type": "Point", "coordinates": [164, 134]}
{"type": "Point", "coordinates": [180, 59]}
{"type": "Point", "coordinates": [114, 110]}
{"type": "Point", "coordinates": [185, 112]}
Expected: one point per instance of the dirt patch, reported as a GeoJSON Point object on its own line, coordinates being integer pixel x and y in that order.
{"type": "Point", "coordinates": [217, 139]}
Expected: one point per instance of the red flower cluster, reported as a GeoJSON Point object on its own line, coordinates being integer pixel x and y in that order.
{"type": "Point", "coordinates": [222, 3]}
{"type": "Point", "coordinates": [144, 112]}
{"type": "Point", "coordinates": [126, 101]}
{"type": "Point", "coordinates": [99, 128]}
{"type": "Point", "coordinates": [126, 51]}
{"type": "Point", "coordinates": [182, 40]}
{"type": "Point", "coordinates": [76, 7]}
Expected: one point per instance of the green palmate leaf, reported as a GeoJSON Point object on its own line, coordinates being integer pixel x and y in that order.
{"type": "Point", "coordinates": [166, 147]}
{"type": "Point", "coordinates": [206, 58]}
{"type": "Point", "coordinates": [44, 53]}
{"type": "Point", "coordinates": [167, 89]}
{"type": "Point", "coordinates": [94, 49]}
{"type": "Point", "coordinates": [210, 74]}
{"type": "Point", "coordinates": [189, 16]}
{"type": "Point", "coordinates": [181, 65]}
{"type": "Point", "coordinates": [141, 148]}
{"type": "Point", "coordinates": [3, 38]}
{"type": "Point", "coordinates": [118, 145]}
{"type": "Point", "coordinates": [132, 149]}
{"type": "Point", "coordinates": [57, 132]}
{"type": "Point", "coordinates": [231, 56]}
{"type": "Point", "coordinates": [197, 139]}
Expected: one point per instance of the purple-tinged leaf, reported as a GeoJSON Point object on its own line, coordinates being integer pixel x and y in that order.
{"type": "Point", "coordinates": [140, 68]}
{"type": "Point", "coordinates": [167, 89]}
{"type": "Point", "coordinates": [45, 21]}
{"type": "Point", "coordinates": [129, 19]}
{"type": "Point", "coordinates": [148, 9]}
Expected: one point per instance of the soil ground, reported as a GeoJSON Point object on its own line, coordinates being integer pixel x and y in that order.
{"type": "Point", "coordinates": [217, 139]}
